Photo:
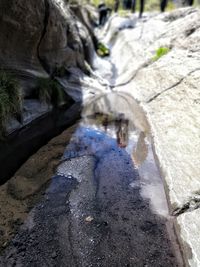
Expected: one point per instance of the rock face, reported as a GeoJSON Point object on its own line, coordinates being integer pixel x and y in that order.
{"type": "Point", "coordinates": [40, 36]}
{"type": "Point", "coordinates": [168, 90]}
{"type": "Point", "coordinates": [42, 39]}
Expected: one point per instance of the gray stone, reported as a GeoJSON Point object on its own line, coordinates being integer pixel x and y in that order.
{"type": "Point", "coordinates": [188, 225]}
{"type": "Point", "coordinates": [167, 89]}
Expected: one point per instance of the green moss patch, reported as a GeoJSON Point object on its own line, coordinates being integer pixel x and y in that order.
{"type": "Point", "coordinates": [102, 50]}
{"type": "Point", "coordinates": [161, 52]}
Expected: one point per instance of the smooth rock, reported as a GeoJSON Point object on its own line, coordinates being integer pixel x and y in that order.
{"type": "Point", "coordinates": [188, 225]}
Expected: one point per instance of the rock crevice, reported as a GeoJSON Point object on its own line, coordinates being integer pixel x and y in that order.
{"type": "Point", "coordinates": [173, 86]}
{"type": "Point", "coordinates": [46, 20]}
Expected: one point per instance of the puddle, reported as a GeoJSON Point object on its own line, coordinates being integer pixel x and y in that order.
{"type": "Point", "coordinates": [114, 136]}
{"type": "Point", "coordinates": [118, 116]}
{"type": "Point", "coordinates": [107, 173]}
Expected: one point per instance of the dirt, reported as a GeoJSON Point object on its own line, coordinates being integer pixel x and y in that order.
{"type": "Point", "coordinates": [19, 195]}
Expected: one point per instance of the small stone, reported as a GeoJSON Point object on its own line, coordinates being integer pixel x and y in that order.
{"type": "Point", "coordinates": [54, 255]}
{"type": "Point", "coordinates": [89, 219]}
{"type": "Point", "coordinates": [4, 245]}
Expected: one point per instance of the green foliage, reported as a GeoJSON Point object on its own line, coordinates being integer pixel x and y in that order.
{"type": "Point", "coordinates": [109, 3]}
{"type": "Point", "coordinates": [124, 13]}
{"type": "Point", "coordinates": [102, 50]}
{"type": "Point", "coordinates": [170, 6]}
{"type": "Point", "coordinates": [150, 5]}
{"type": "Point", "coordinates": [161, 52]}
{"type": "Point", "coordinates": [49, 91]}
{"type": "Point", "coordinates": [10, 99]}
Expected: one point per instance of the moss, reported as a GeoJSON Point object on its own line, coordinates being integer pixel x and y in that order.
{"type": "Point", "coordinates": [10, 99]}
{"type": "Point", "coordinates": [49, 91]}
{"type": "Point", "coordinates": [160, 52]}
{"type": "Point", "coordinates": [102, 50]}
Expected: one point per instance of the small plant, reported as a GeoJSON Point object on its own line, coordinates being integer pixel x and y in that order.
{"type": "Point", "coordinates": [49, 91]}
{"type": "Point", "coordinates": [161, 52]}
{"type": "Point", "coordinates": [102, 50]}
{"type": "Point", "coordinates": [60, 71]}
{"type": "Point", "coordinates": [10, 99]}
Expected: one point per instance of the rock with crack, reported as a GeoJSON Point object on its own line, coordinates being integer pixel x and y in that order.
{"type": "Point", "coordinates": [168, 91]}
{"type": "Point", "coordinates": [188, 228]}
{"type": "Point", "coordinates": [44, 41]}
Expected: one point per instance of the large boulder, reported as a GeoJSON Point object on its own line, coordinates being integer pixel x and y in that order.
{"type": "Point", "coordinates": [166, 85]}
{"type": "Point", "coordinates": [43, 39]}
{"type": "Point", "coordinates": [39, 36]}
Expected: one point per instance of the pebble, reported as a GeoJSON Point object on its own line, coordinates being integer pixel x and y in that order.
{"type": "Point", "coordinates": [54, 255]}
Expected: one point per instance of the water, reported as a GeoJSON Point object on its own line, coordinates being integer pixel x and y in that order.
{"type": "Point", "coordinates": [106, 204]}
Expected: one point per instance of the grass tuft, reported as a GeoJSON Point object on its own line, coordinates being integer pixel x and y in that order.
{"type": "Point", "coordinates": [10, 99]}
{"type": "Point", "coordinates": [161, 52]}
{"type": "Point", "coordinates": [102, 50]}
{"type": "Point", "coordinates": [49, 91]}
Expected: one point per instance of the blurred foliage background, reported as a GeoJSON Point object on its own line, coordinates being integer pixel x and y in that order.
{"type": "Point", "coordinates": [150, 5]}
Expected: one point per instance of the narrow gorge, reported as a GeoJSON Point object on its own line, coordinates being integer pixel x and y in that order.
{"type": "Point", "coordinates": [98, 152]}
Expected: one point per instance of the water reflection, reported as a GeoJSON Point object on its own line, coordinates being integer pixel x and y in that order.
{"type": "Point", "coordinates": [140, 153]}
{"type": "Point", "coordinates": [122, 131]}
{"type": "Point", "coordinates": [119, 116]}
{"type": "Point", "coordinates": [97, 180]}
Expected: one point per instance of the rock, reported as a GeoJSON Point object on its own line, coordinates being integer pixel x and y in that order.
{"type": "Point", "coordinates": [42, 39]}
{"type": "Point", "coordinates": [188, 228]}
{"type": "Point", "coordinates": [167, 91]}
{"type": "Point", "coordinates": [38, 40]}
{"type": "Point", "coordinates": [89, 219]}
{"type": "Point", "coordinates": [22, 24]}
{"type": "Point", "coordinates": [54, 255]}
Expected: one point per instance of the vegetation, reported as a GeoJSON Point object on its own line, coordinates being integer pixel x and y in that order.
{"type": "Point", "coordinates": [60, 71]}
{"type": "Point", "coordinates": [49, 91]}
{"type": "Point", "coordinates": [161, 52]}
{"type": "Point", "coordinates": [109, 3]}
{"type": "Point", "coordinates": [102, 50]}
{"type": "Point", "coordinates": [124, 13]}
{"type": "Point", "coordinates": [10, 99]}
{"type": "Point", "coordinates": [151, 5]}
